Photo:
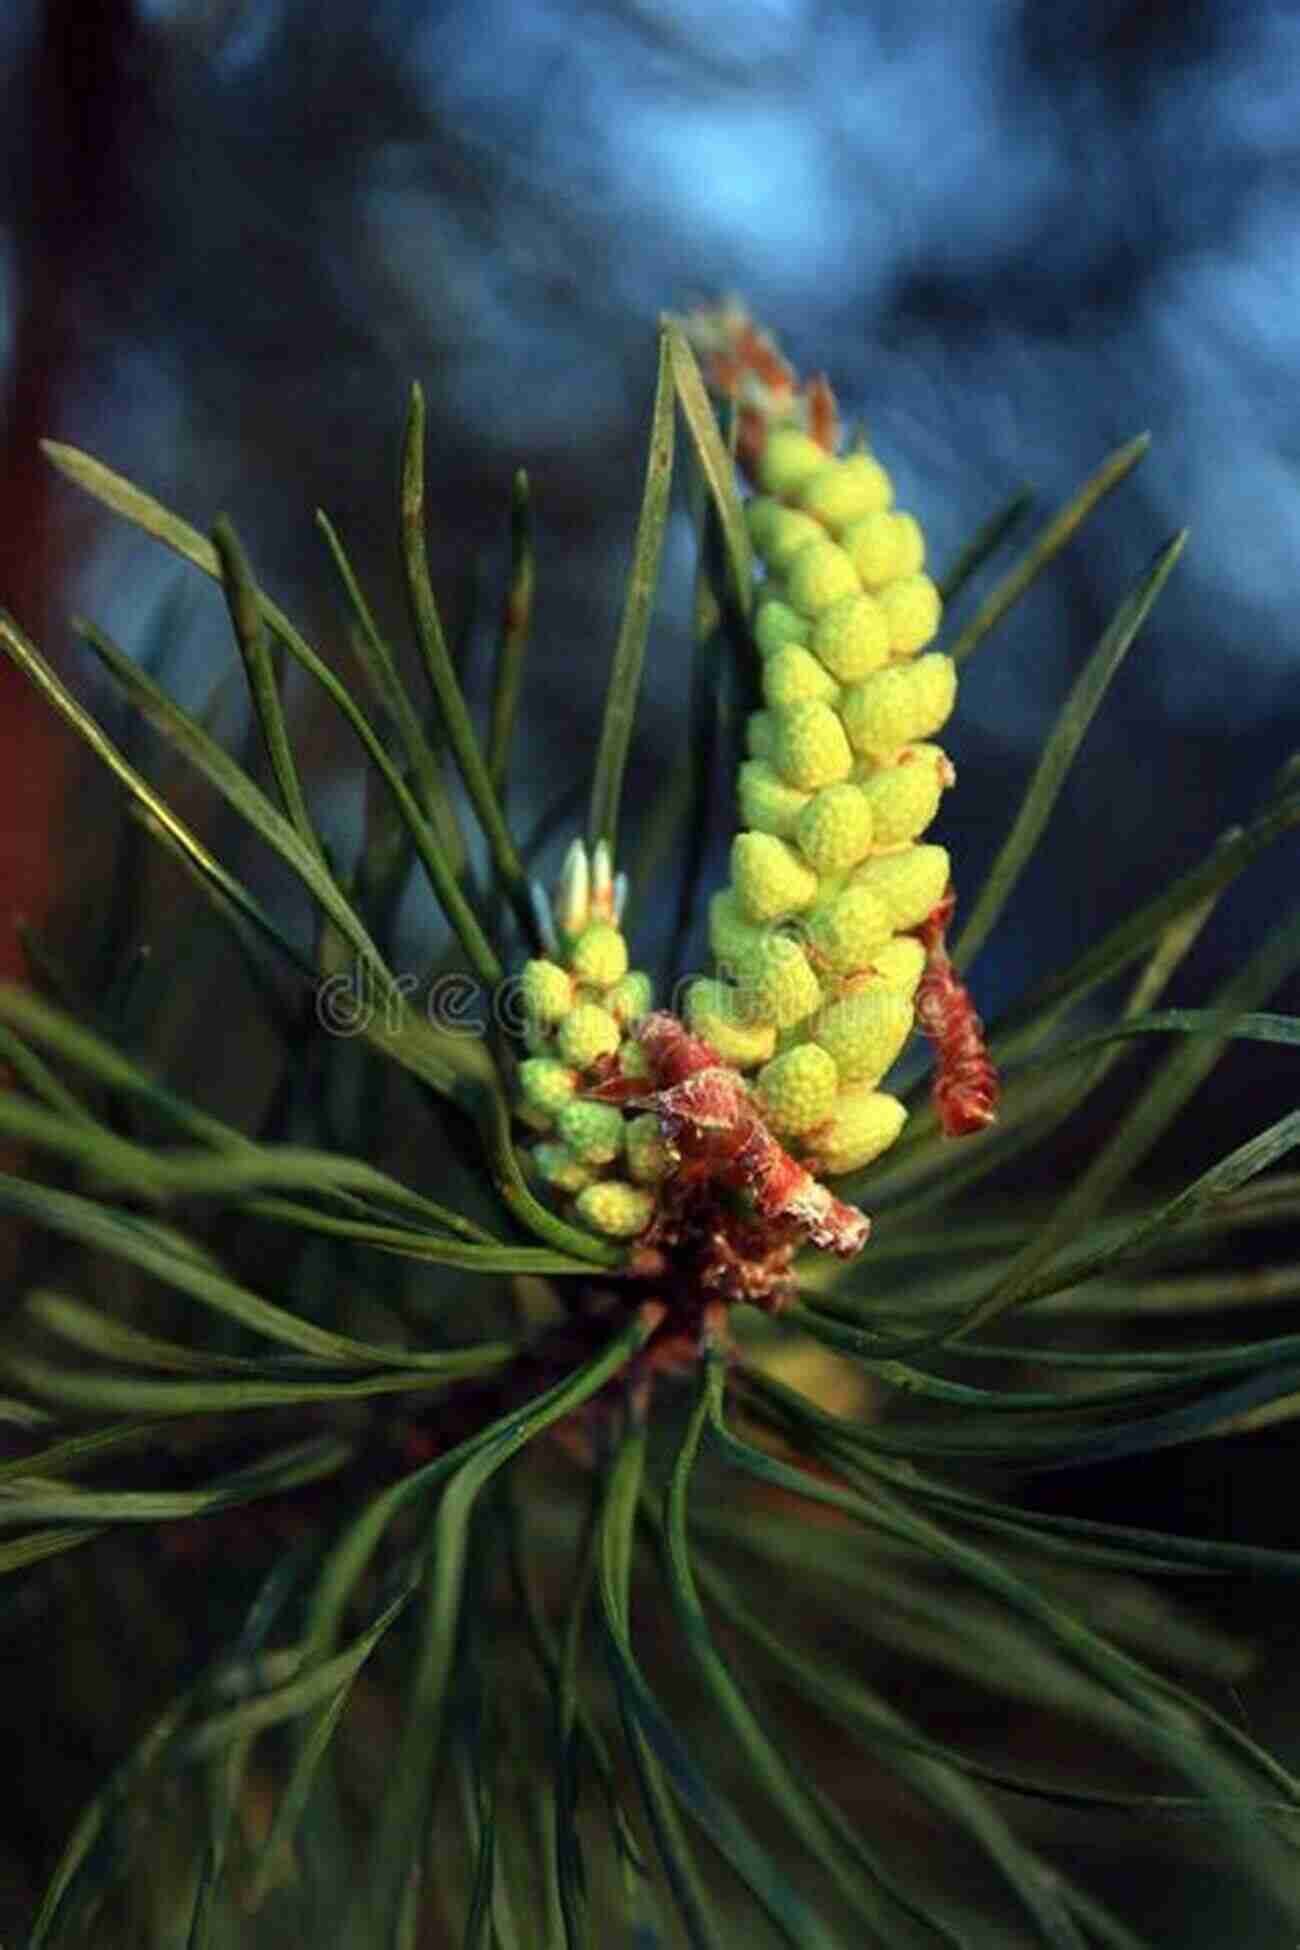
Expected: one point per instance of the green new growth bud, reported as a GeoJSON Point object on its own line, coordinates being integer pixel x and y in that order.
{"type": "Point", "coordinates": [769, 877]}
{"type": "Point", "coordinates": [864, 1123]}
{"type": "Point", "coordinates": [883, 547]}
{"type": "Point", "coordinates": [809, 747]}
{"type": "Point", "coordinates": [587, 1032]}
{"type": "Point", "coordinates": [760, 734]}
{"type": "Point", "coordinates": [546, 1086]}
{"type": "Point", "coordinates": [852, 637]}
{"type": "Point", "coordinates": [845, 931]}
{"type": "Point", "coordinates": [713, 1012]}
{"type": "Point", "coordinates": [648, 1158]}
{"type": "Point", "coordinates": [820, 575]}
{"type": "Point", "coordinates": [630, 998]}
{"type": "Point", "coordinates": [633, 1063]}
{"type": "Point", "coordinates": [593, 1132]}
{"type": "Point", "coordinates": [797, 1090]}
{"type": "Point", "coordinates": [775, 983]}
{"type": "Point", "coordinates": [896, 706]}
{"type": "Point", "coordinates": [788, 458]}
{"type": "Point", "coordinates": [843, 491]}
{"type": "Point", "coordinates": [914, 609]}
{"type": "Point", "coordinates": [788, 535]}
{"type": "Point", "coordinates": [905, 796]}
{"type": "Point", "coordinates": [865, 1032]}
{"type": "Point", "coordinates": [792, 674]}
{"type": "Point", "coordinates": [776, 624]}
{"type": "Point", "coordinates": [556, 1164]}
{"type": "Point", "coordinates": [834, 830]}
{"type": "Point", "coordinates": [547, 991]}
{"type": "Point", "coordinates": [900, 964]}
{"type": "Point", "coordinates": [767, 803]}
{"type": "Point", "coordinates": [910, 884]}
{"type": "Point", "coordinates": [599, 955]}
{"type": "Point", "coordinates": [731, 933]}
{"type": "Point", "coordinates": [618, 1210]}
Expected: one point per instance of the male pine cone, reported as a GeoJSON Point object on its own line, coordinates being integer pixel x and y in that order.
{"type": "Point", "coordinates": [817, 969]}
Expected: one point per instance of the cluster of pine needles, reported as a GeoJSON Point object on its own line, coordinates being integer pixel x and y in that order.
{"type": "Point", "coordinates": [361, 1585]}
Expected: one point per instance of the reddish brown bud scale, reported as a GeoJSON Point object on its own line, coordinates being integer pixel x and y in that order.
{"type": "Point", "coordinates": [754, 351]}
{"type": "Point", "coordinates": [823, 413]}
{"type": "Point", "coordinates": [966, 1087]}
{"type": "Point", "coordinates": [741, 363]}
{"type": "Point", "coordinates": [671, 1051]}
{"type": "Point", "coordinates": [714, 1126]}
{"type": "Point", "coordinates": [610, 1086]}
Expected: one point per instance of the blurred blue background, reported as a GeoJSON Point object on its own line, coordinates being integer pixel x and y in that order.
{"type": "Point", "coordinates": [1013, 235]}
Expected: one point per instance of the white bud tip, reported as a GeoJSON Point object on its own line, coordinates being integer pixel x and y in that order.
{"type": "Point", "coordinates": [602, 882]}
{"type": "Point", "coordinates": [573, 890]}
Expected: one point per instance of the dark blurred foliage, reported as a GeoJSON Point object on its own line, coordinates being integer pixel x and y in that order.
{"type": "Point", "coordinates": [1013, 235]}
